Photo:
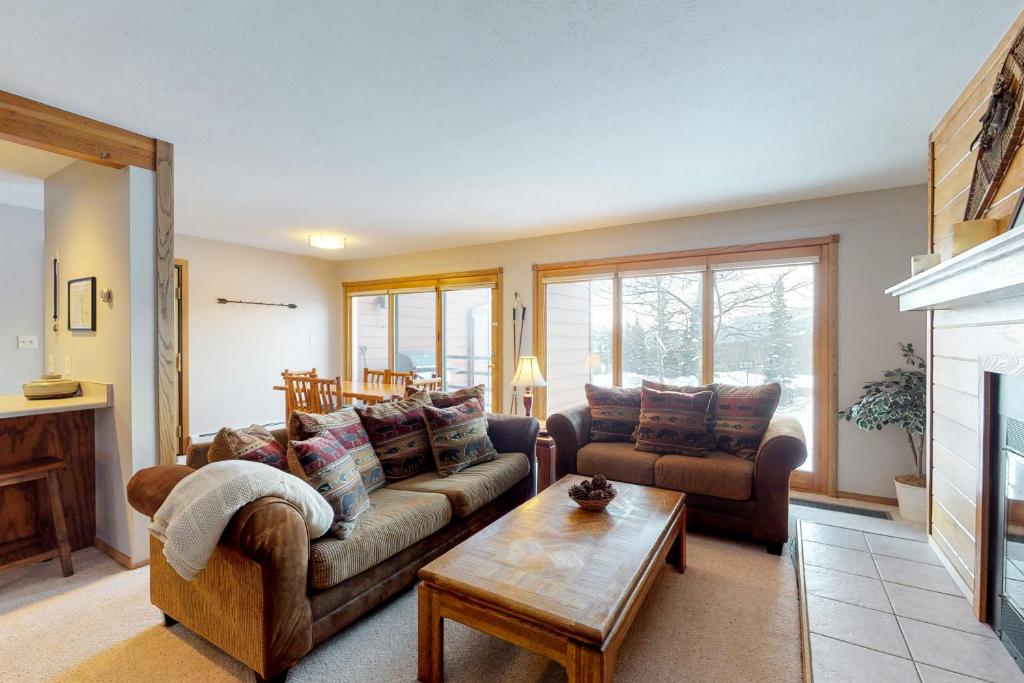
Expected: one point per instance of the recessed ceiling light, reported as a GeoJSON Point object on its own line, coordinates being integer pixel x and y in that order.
{"type": "Point", "coordinates": [323, 240]}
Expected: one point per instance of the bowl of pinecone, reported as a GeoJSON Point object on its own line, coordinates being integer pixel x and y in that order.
{"type": "Point", "coordinates": [593, 494]}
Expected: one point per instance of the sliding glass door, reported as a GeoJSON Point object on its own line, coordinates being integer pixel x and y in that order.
{"type": "Point", "coordinates": [742, 317]}
{"type": "Point", "coordinates": [446, 326]}
{"type": "Point", "coordinates": [764, 332]}
{"type": "Point", "coordinates": [467, 341]}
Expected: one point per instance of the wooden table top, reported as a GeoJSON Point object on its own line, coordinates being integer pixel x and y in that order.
{"type": "Point", "coordinates": [366, 390]}
{"type": "Point", "coordinates": [573, 571]}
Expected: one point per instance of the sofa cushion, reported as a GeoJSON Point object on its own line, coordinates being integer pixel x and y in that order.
{"type": "Point", "coordinates": [395, 521]}
{"type": "Point", "coordinates": [673, 422]}
{"type": "Point", "coordinates": [458, 436]}
{"type": "Point", "coordinates": [254, 443]}
{"type": "Point", "coordinates": [447, 399]}
{"type": "Point", "coordinates": [474, 487]}
{"type": "Point", "coordinates": [721, 475]}
{"type": "Point", "coordinates": [323, 463]}
{"type": "Point", "coordinates": [649, 384]}
{"type": "Point", "coordinates": [614, 412]}
{"type": "Point", "coordinates": [618, 461]}
{"type": "Point", "coordinates": [740, 416]}
{"type": "Point", "coordinates": [345, 426]}
{"type": "Point", "coordinates": [399, 436]}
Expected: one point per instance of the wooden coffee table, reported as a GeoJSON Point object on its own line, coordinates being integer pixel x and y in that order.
{"type": "Point", "coordinates": [555, 579]}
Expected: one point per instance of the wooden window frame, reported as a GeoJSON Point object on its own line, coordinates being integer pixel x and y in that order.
{"type": "Point", "coordinates": [823, 477]}
{"type": "Point", "coordinates": [439, 284]}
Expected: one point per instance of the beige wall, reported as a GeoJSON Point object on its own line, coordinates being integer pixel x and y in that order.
{"type": "Point", "coordinates": [879, 232]}
{"type": "Point", "coordinates": [99, 222]}
{"type": "Point", "coordinates": [21, 277]}
{"type": "Point", "coordinates": [237, 352]}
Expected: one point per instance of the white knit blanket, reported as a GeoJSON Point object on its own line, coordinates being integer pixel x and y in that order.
{"type": "Point", "coordinates": [193, 517]}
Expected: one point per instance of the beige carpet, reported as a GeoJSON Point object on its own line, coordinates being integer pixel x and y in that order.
{"type": "Point", "coordinates": [732, 617]}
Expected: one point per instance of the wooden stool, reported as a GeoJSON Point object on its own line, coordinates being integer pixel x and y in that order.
{"type": "Point", "coordinates": [43, 468]}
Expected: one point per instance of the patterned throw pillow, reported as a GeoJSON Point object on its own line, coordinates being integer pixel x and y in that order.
{"type": "Point", "coordinates": [614, 412]}
{"type": "Point", "coordinates": [323, 463]}
{"type": "Point", "coordinates": [399, 436]}
{"type": "Point", "coordinates": [458, 436]}
{"type": "Point", "coordinates": [345, 426]}
{"type": "Point", "coordinates": [447, 399]}
{"type": "Point", "coordinates": [673, 422]}
{"type": "Point", "coordinates": [254, 443]}
{"type": "Point", "coordinates": [690, 390]}
{"type": "Point", "coordinates": [740, 416]}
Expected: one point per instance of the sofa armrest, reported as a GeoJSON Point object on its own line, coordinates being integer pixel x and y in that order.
{"type": "Point", "coordinates": [148, 489]}
{"type": "Point", "coordinates": [782, 450]}
{"type": "Point", "coordinates": [570, 429]}
{"type": "Point", "coordinates": [513, 433]}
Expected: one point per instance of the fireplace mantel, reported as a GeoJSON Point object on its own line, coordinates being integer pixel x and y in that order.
{"type": "Point", "coordinates": [990, 271]}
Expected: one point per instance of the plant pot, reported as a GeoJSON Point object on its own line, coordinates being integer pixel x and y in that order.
{"type": "Point", "coordinates": [912, 496]}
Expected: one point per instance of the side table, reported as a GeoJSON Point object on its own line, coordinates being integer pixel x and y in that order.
{"type": "Point", "coordinates": [545, 459]}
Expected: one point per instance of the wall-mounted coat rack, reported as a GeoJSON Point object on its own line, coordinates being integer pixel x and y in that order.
{"type": "Point", "coordinates": [255, 303]}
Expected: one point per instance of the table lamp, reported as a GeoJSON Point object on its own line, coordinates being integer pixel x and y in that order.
{"type": "Point", "coordinates": [527, 377]}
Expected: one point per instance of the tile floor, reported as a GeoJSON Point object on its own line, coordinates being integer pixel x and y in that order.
{"type": "Point", "coordinates": [881, 607]}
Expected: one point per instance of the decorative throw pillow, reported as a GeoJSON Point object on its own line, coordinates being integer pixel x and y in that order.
{"type": "Point", "coordinates": [399, 436]}
{"type": "Point", "coordinates": [740, 416]}
{"type": "Point", "coordinates": [447, 399]}
{"type": "Point", "coordinates": [323, 463]}
{"type": "Point", "coordinates": [614, 412]}
{"type": "Point", "coordinates": [254, 443]}
{"type": "Point", "coordinates": [458, 436]}
{"type": "Point", "coordinates": [690, 390]}
{"type": "Point", "coordinates": [673, 422]}
{"type": "Point", "coordinates": [345, 426]}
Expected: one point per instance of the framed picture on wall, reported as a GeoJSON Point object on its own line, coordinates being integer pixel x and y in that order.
{"type": "Point", "coordinates": [82, 304]}
{"type": "Point", "coordinates": [1016, 218]}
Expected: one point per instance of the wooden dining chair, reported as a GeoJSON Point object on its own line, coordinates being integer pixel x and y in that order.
{"type": "Point", "coordinates": [300, 393]}
{"type": "Point", "coordinates": [403, 378]}
{"type": "Point", "coordinates": [299, 373]}
{"type": "Point", "coordinates": [434, 383]}
{"type": "Point", "coordinates": [377, 376]}
{"type": "Point", "coordinates": [329, 395]}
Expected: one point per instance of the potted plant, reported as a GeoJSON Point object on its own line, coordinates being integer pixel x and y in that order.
{"type": "Point", "coordinates": [899, 399]}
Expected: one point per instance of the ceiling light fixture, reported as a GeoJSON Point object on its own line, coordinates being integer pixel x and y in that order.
{"type": "Point", "coordinates": [322, 240]}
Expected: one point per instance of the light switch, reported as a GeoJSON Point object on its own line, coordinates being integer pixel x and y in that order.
{"type": "Point", "coordinates": [312, 340]}
{"type": "Point", "coordinates": [28, 341]}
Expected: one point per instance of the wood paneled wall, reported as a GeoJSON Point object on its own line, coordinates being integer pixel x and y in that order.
{"type": "Point", "coordinates": [959, 337]}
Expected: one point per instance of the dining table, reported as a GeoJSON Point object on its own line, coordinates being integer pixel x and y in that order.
{"type": "Point", "coordinates": [371, 392]}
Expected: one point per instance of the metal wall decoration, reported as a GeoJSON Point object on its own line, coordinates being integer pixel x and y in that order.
{"type": "Point", "coordinates": [1000, 133]}
{"type": "Point", "coordinates": [254, 303]}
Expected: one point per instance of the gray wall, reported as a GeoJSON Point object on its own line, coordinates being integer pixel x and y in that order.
{"type": "Point", "coordinates": [21, 281]}
{"type": "Point", "coordinates": [879, 231]}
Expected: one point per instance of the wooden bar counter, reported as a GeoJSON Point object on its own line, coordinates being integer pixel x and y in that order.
{"type": "Point", "coordinates": [62, 428]}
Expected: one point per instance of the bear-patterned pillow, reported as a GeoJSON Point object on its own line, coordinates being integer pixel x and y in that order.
{"type": "Point", "coordinates": [673, 422]}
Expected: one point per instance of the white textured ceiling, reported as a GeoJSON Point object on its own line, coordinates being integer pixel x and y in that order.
{"type": "Point", "coordinates": [414, 125]}
{"type": "Point", "coordinates": [22, 171]}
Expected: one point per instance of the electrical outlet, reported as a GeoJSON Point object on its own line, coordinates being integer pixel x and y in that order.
{"type": "Point", "coordinates": [28, 341]}
{"type": "Point", "coordinates": [312, 340]}
{"type": "Point", "coordinates": [67, 365]}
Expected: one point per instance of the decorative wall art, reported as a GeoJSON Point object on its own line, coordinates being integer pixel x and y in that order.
{"type": "Point", "coordinates": [82, 304]}
{"type": "Point", "coordinates": [1000, 133]}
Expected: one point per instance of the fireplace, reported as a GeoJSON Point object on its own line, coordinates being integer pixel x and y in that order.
{"type": "Point", "coordinates": [1006, 514]}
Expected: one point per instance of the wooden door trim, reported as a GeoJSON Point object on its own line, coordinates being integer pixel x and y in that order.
{"type": "Point", "coordinates": [182, 295]}
{"type": "Point", "coordinates": [34, 124]}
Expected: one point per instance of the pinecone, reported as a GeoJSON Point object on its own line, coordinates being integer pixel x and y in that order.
{"type": "Point", "coordinates": [600, 482]}
{"type": "Point", "coordinates": [577, 491]}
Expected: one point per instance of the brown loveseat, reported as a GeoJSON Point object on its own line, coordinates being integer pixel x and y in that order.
{"type": "Point", "coordinates": [269, 595]}
{"type": "Point", "coordinates": [723, 492]}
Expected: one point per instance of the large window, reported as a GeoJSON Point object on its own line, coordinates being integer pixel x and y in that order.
{"type": "Point", "coordinates": [733, 316]}
{"type": "Point", "coordinates": [443, 325]}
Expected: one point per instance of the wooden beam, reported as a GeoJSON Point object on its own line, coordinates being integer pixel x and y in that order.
{"type": "Point", "coordinates": [54, 130]}
{"type": "Point", "coordinates": [166, 343]}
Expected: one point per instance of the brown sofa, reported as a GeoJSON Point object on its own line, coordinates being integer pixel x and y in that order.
{"type": "Point", "coordinates": [269, 595]}
{"type": "Point", "coordinates": [723, 492]}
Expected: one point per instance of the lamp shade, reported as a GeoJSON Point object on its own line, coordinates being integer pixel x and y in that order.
{"type": "Point", "coordinates": [528, 373]}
